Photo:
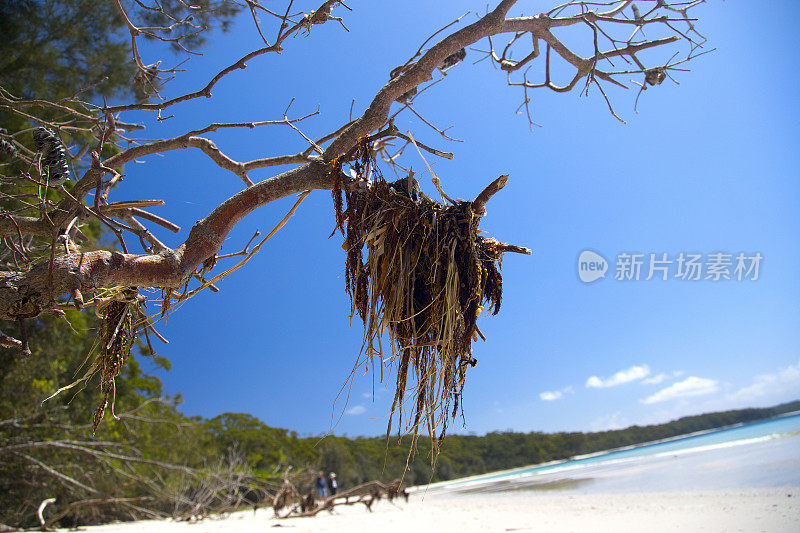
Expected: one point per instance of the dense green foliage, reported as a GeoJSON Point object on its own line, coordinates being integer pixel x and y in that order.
{"type": "Point", "coordinates": [52, 49]}
{"type": "Point", "coordinates": [57, 50]}
{"type": "Point", "coordinates": [35, 437]}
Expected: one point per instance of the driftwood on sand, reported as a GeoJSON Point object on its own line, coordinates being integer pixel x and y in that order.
{"type": "Point", "coordinates": [296, 505]}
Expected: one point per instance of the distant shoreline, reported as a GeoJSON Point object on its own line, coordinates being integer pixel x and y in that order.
{"type": "Point", "coordinates": [444, 485]}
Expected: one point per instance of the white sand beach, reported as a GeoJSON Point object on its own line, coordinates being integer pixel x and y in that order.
{"type": "Point", "coordinates": [748, 510]}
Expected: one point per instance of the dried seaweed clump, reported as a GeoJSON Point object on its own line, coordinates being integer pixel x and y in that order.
{"type": "Point", "coordinates": [120, 313]}
{"type": "Point", "coordinates": [115, 339]}
{"type": "Point", "coordinates": [423, 279]}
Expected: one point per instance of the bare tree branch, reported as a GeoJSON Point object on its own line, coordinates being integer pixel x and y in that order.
{"type": "Point", "coordinates": [42, 266]}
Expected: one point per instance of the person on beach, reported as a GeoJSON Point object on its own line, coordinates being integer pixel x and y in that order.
{"type": "Point", "coordinates": [322, 486]}
{"type": "Point", "coordinates": [333, 486]}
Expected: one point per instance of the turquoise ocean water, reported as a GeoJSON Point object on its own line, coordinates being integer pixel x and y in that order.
{"type": "Point", "coordinates": [759, 454]}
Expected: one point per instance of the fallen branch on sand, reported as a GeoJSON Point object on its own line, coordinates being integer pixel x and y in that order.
{"type": "Point", "coordinates": [366, 493]}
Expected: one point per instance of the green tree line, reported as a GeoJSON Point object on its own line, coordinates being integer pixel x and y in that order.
{"type": "Point", "coordinates": [360, 459]}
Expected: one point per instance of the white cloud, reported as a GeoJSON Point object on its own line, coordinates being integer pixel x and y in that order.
{"type": "Point", "coordinates": [623, 376]}
{"type": "Point", "coordinates": [356, 410]}
{"type": "Point", "coordinates": [594, 382]}
{"type": "Point", "coordinates": [785, 380]}
{"type": "Point", "coordinates": [691, 386]}
{"type": "Point", "coordinates": [655, 380]}
{"type": "Point", "coordinates": [366, 395]}
{"type": "Point", "coordinates": [551, 396]}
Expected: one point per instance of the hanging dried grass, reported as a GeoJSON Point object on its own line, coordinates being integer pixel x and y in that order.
{"type": "Point", "coordinates": [115, 339]}
{"type": "Point", "coordinates": [417, 271]}
{"type": "Point", "coordinates": [120, 316]}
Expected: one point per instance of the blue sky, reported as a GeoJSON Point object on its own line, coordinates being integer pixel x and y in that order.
{"type": "Point", "coordinates": [709, 166]}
